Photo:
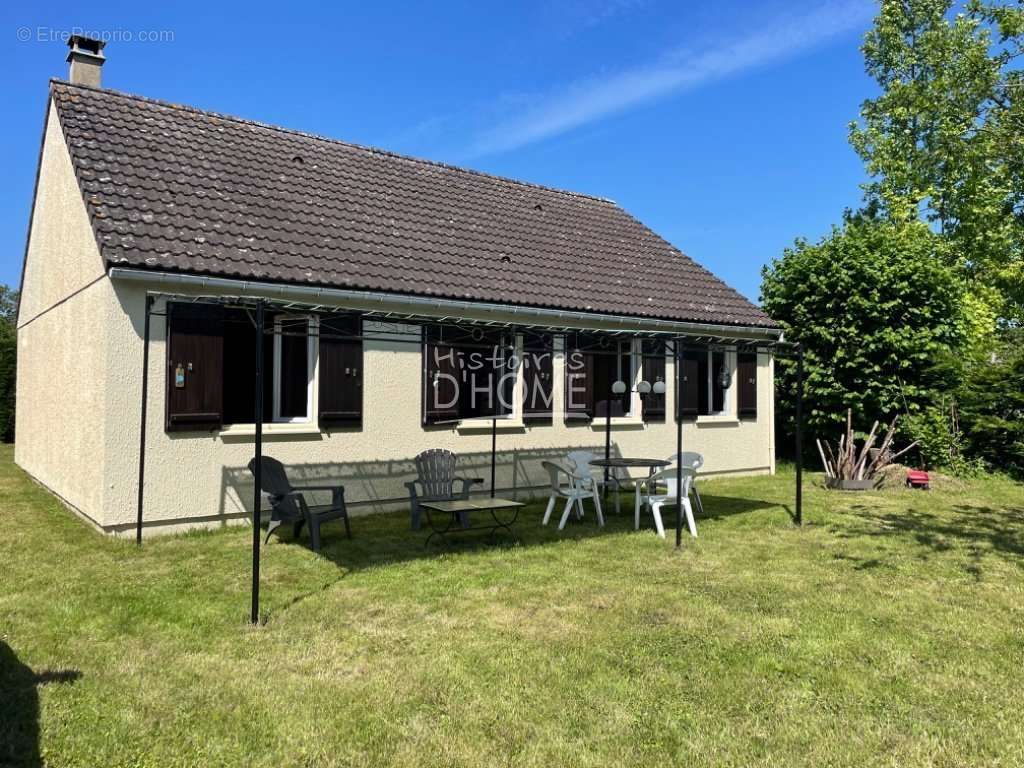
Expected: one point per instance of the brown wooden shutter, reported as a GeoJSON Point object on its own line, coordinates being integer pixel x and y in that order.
{"type": "Point", "coordinates": [746, 380]}
{"type": "Point", "coordinates": [688, 402]}
{"type": "Point", "coordinates": [195, 343]}
{"type": "Point", "coordinates": [579, 373]}
{"type": "Point", "coordinates": [653, 370]}
{"type": "Point", "coordinates": [440, 378]}
{"type": "Point", "coordinates": [340, 394]}
{"type": "Point", "coordinates": [538, 382]}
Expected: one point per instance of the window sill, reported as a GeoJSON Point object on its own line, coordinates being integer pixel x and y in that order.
{"type": "Point", "coordinates": [598, 423]}
{"type": "Point", "coordinates": [502, 425]}
{"type": "Point", "coordinates": [249, 430]}
{"type": "Point", "coordinates": [724, 419]}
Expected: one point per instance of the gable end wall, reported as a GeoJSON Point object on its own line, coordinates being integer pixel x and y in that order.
{"type": "Point", "coordinates": [65, 306]}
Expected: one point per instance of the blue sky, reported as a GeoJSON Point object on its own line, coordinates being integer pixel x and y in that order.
{"type": "Point", "coordinates": [722, 125]}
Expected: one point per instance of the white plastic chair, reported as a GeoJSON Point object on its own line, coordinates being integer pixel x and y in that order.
{"type": "Point", "coordinates": [580, 460]}
{"type": "Point", "coordinates": [573, 488]}
{"type": "Point", "coordinates": [692, 460]}
{"type": "Point", "coordinates": [667, 478]}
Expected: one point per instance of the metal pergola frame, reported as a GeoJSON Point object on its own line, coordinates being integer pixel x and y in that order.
{"type": "Point", "coordinates": [674, 341]}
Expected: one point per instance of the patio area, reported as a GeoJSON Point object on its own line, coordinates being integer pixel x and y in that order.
{"type": "Point", "coordinates": [886, 629]}
{"type": "Point", "coordinates": [611, 370]}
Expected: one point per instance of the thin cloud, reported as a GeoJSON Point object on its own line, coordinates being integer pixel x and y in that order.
{"type": "Point", "coordinates": [591, 100]}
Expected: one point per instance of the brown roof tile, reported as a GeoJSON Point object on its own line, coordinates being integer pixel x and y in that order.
{"type": "Point", "coordinates": [177, 189]}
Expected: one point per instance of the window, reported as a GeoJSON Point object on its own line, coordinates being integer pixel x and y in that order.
{"type": "Point", "coordinates": [294, 366]}
{"type": "Point", "coordinates": [653, 371]}
{"type": "Point", "coordinates": [467, 374]}
{"type": "Point", "coordinates": [614, 363]}
{"type": "Point", "coordinates": [537, 366]}
{"type": "Point", "coordinates": [289, 360]}
{"type": "Point", "coordinates": [716, 368]}
{"type": "Point", "coordinates": [310, 362]}
{"type": "Point", "coordinates": [702, 391]}
{"type": "Point", "coordinates": [592, 364]}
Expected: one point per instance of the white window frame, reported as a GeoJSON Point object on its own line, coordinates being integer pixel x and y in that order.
{"type": "Point", "coordinates": [311, 363]}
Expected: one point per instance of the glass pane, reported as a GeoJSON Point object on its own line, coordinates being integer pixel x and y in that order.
{"type": "Point", "coordinates": [293, 381]}
{"type": "Point", "coordinates": [485, 389]}
{"type": "Point", "coordinates": [606, 372]}
{"type": "Point", "coordinates": [239, 367]}
{"type": "Point", "coordinates": [703, 383]}
{"type": "Point", "coordinates": [717, 393]}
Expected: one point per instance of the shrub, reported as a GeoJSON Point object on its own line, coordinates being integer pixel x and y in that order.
{"type": "Point", "coordinates": [940, 442]}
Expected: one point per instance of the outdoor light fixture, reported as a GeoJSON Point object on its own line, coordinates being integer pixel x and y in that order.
{"type": "Point", "coordinates": [724, 377]}
{"type": "Point", "coordinates": [642, 387]}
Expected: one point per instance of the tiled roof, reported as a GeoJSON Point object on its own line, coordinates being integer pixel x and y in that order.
{"type": "Point", "coordinates": [176, 189]}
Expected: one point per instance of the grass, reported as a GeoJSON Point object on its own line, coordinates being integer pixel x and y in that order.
{"type": "Point", "coordinates": [886, 631]}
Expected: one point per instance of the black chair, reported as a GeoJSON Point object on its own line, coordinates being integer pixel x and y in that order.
{"type": "Point", "coordinates": [288, 504]}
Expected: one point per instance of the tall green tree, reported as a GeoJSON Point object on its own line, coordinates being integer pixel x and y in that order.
{"type": "Point", "coordinates": [874, 304]}
{"type": "Point", "coordinates": [8, 360]}
{"type": "Point", "coordinates": [991, 405]}
{"type": "Point", "coordinates": [942, 141]}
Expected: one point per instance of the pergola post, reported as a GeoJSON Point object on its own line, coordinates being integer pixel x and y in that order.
{"type": "Point", "coordinates": [799, 435]}
{"type": "Point", "coordinates": [494, 451]}
{"type": "Point", "coordinates": [257, 499]}
{"type": "Point", "coordinates": [142, 418]}
{"type": "Point", "coordinates": [607, 437]}
{"type": "Point", "coordinates": [679, 449]}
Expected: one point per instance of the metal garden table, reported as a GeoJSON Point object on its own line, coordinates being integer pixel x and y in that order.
{"type": "Point", "coordinates": [452, 510]}
{"type": "Point", "coordinates": [651, 465]}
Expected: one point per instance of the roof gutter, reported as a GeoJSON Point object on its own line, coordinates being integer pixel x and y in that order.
{"type": "Point", "coordinates": [398, 303]}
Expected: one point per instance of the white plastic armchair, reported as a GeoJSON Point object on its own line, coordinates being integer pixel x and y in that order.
{"type": "Point", "coordinates": [692, 460]}
{"type": "Point", "coordinates": [573, 487]}
{"type": "Point", "coordinates": [581, 461]}
{"type": "Point", "coordinates": [662, 489]}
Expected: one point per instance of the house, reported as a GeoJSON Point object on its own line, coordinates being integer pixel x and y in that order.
{"type": "Point", "coordinates": [385, 279]}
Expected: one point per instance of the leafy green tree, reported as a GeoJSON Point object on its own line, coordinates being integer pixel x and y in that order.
{"type": "Point", "coordinates": [942, 141]}
{"type": "Point", "coordinates": [873, 304]}
{"type": "Point", "coordinates": [8, 360]}
{"type": "Point", "coordinates": [991, 402]}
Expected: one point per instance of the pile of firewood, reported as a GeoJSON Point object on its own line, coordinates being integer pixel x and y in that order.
{"type": "Point", "coordinates": [849, 463]}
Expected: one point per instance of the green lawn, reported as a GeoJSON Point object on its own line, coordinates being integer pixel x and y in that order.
{"type": "Point", "coordinates": [887, 631]}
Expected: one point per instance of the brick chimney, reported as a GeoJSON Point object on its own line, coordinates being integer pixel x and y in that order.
{"type": "Point", "coordinates": [86, 57]}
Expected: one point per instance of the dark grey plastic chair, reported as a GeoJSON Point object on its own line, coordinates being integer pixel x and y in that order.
{"type": "Point", "coordinates": [436, 481]}
{"type": "Point", "coordinates": [288, 504]}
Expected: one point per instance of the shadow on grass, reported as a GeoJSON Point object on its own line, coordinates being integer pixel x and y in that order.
{"type": "Point", "coordinates": [976, 531]}
{"type": "Point", "coordinates": [19, 708]}
{"type": "Point", "coordinates": [385, 538]}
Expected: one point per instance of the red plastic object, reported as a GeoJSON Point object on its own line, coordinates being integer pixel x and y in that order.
{"type": "Point", "coordinates": [917, 478]}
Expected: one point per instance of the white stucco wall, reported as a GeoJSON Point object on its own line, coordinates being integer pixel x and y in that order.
{"type": "Point", "coordinates": [203, 476]}
{"type": "Point", "coordinates": [62, 349]}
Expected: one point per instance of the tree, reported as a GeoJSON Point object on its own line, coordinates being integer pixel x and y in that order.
{"type": "Point", "coordinates": [942, 142]}
{"type": "Point", "coordinates": [8, 360]}
{"type": "Point", "coordinates": [991, 402]}
{"type": "Point", "coordinates": [874, 304]}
